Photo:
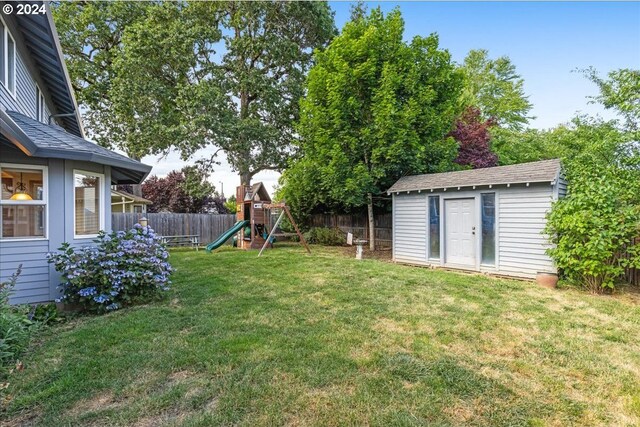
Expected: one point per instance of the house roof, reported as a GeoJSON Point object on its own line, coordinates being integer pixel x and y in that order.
{"type": "Point", "coordinates": [40, 36]}
{"type": "Point", "coordinates": [37, 139]}
{"type": "Point", "coordinates": [126, 194]}
{"type": "Point", "coordinates": [542, 171]}
{"type": "Point", "coordinates": [259, 189]}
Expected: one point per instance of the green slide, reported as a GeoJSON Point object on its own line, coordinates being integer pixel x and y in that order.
{"type": "Point", "coordinates": [227, 235]}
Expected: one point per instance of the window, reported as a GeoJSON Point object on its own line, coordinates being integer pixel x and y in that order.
{"type": "Point", "coordinates": [488, 228]}
{"type": "Point", "coordinates": [434, 227]}
{"type": "Point", "coordinates": [89, 209]}
{"type": "Point", "coordinates": [41, 115]}
{"type": "Point", "coordinates": [23, 201]}
{"type": "Point", "coordinates": [7, 59]}
{"type": "Point", "coordinates": [137, 209]}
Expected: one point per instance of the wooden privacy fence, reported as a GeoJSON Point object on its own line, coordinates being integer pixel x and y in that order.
{"type": "Point", "coordinates": [208, 227]}
{"type": "Point", "coordinates": [359, 226]}
{"type": "Point", "coordinates": [632, 275]}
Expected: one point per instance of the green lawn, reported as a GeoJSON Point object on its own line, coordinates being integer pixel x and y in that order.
{"type": "Point", "coordinates": [291, 339]}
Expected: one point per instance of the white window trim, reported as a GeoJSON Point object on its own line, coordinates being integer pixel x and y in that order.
{"type": "Point", "coordinates": [5, 71]}
{"type": "Point", "coordinates": [495, 229]}
{"type": "Point", "coordinates": [41, 102]}
{"type": "Point", "coordinates": [102, 207]}
{"type": "Point", "coordinates": [44, 201]}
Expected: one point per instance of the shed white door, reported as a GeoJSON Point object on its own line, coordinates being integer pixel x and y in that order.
{"type": "Point", "coordinates": [460, 232]}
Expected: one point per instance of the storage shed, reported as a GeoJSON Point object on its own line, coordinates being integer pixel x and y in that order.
{"type": "Point", "coordinates": [488, 220]}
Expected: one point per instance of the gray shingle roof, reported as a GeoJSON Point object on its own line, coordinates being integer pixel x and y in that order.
{"type": "Point", "coordinates": [542, 171]}
{"type": "Point", "coordinates": [50, 141]}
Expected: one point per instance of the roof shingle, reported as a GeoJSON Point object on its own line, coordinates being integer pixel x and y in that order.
{"type": "Point", "coordinates": [542, 171]}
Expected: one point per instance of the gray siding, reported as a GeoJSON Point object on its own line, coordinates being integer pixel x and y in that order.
{"type": "Point", "coordinates": [38, 281]}
{"type": "Point", "coordinates": [521, 221]}
{"type": "Point", "coordinates": [33, 283]}
{"type": "Point", "coordinates": [562, 186]}
{"type": "Point", "coordinates": [26, 77]}
{"type": "Point", "coordinates": [410, 227]}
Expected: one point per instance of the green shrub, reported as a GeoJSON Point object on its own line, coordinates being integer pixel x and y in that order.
{"type": "Point", "coordinates": [15, 326]}
{"type": "Point", "coordinates": [594, 225]}
{"type": "Point", "coordinates": [122, 268]}
{"type": "Point", "coordinates": [325, 236]}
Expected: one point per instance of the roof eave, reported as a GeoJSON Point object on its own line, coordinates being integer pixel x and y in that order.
{"type": "Point", "coordinates": [527, 182]}
{"type": "Point", "coordinates": [56, 40]}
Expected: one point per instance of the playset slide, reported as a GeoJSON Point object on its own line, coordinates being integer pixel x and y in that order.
{"type": "Point", "coordinates": [227, 235]}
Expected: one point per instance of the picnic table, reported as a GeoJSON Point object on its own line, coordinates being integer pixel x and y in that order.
{"type": "Point", "coordinates": [192, 240]}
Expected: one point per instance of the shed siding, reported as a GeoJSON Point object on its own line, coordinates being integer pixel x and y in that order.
{"type": "Point", "coordinates": [410, 228]}
{"type": "Point", "coordinates": [521, 221]}
{"type": "Point", "coordinates": [562, 186]}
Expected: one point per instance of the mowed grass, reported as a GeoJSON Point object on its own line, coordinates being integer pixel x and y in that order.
{"type": "Point", "coordinates": [292, 339]}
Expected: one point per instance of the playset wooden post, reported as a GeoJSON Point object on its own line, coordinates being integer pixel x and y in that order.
{"type": "Point", "coordinates": [253, 204]}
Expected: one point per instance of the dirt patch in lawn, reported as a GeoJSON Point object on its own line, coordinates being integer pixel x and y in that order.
{"type": "Point", "coordinates": [98, 402]}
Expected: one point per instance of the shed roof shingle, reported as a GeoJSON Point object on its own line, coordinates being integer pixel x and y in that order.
{"type": "Point", "coordinates": [542, 171]}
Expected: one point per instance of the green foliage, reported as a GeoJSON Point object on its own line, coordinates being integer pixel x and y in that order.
{"type": "Point", "coordinates": [91, 37]}
{"type": "Point", "coordinates": [189, 75]}
{"type": "Point", "coordinates": [584, 138]}
{"type": "Point", "coordinates": [377, 108]}
{"type": "Point", "coordinates": [121, 269]}
{"type": "Point", "coordinates": [619, 92]}
{"type": "Point", "coordinates": [231, 205]}
{"type": "Point", "coordinates": [15, 326]}
{"type": "Point", "coordinates": [325, 236]}
{"type": "Point", "coordinates": [494, 86]}
{"type": "Point", "coordinates": [596, 224]}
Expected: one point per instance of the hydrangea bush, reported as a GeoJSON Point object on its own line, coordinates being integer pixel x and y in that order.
{"type": "Point", "coordinates": [121, 269]}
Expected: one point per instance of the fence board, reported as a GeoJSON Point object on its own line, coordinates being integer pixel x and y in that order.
{"type": "Point", "coordinates": [632, 275]}
{"type": "Point", "coordinates": [358, 225]}
{"type": "Point", "coordinates": [207, 226]}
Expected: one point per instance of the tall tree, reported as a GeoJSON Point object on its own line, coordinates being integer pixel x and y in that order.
{"type": "Point", "coordinates": [473, 137]}
{"type": "Point", "coordinates": [183, 191]}
{"type": "Point", "coordinates": [377, 108]}
{"type": "Point", "coordinates": [620, 92]}
{"type": "Point", "coordinates": [91, 37]}
{"type": "Point", "coordinates": [494, 86]}
{"type": "Point", "coordinates": [229, 75]}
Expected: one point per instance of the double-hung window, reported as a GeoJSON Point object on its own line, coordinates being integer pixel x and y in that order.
{"type": "Point", "coordinates": [23, 201]}
{"type": "Point", "coordinates": [7, 59]}
{"type": "Point", "coordinates": [89, 209]}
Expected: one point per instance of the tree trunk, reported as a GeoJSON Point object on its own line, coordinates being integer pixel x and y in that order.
{"type": "Point", "coordinates": [372, 229]}
{"type": "Point", "coordinates": [245, 178]}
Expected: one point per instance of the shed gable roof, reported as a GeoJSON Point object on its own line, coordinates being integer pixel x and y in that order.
{"type": "Point", "coordinates": [542, 171]}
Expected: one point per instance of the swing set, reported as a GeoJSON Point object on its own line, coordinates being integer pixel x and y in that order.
{"type": "Point", "coordinates": [254, 213]}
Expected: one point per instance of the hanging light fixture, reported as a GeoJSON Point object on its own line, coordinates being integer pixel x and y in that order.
{"type": "Point", "coordinates": [20, 192]}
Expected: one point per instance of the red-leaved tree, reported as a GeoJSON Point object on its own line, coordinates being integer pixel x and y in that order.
{"type": "Point", "coordinates": [473, 137]}
{"type": "Point", "coordinates": [184, 191]}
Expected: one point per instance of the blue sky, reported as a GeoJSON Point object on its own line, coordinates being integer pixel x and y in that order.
{"type": "Point", "coordinates": [545, 41]}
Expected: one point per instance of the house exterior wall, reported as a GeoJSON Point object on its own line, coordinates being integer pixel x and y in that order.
{"type": "Point", "coordinates": [27, 77]}
{"type": "Point", "coordinates": [519, 221]}
{"type": "Point", "coordinates": [38, 281]}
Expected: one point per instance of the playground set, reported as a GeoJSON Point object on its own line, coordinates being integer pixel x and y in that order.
{"type": "Point", "coordinates": [254, 213]}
